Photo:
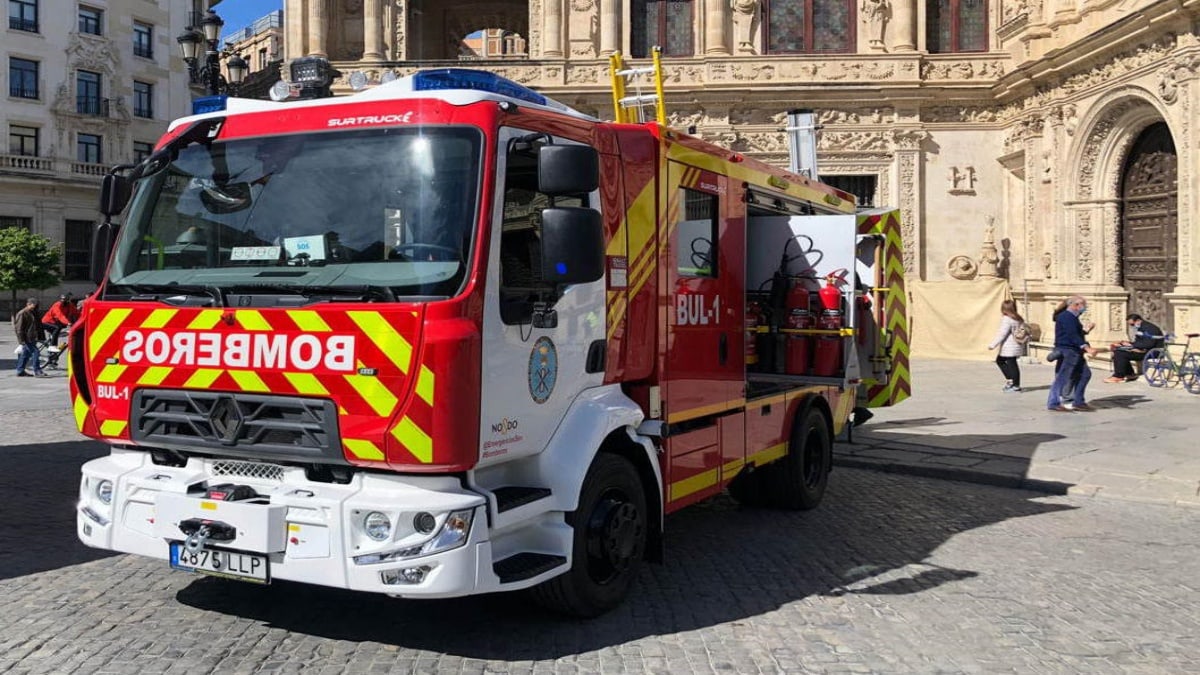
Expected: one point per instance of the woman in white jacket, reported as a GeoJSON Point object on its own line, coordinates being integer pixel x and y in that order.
{"type": "Point", "coordinates": [1010, 348]}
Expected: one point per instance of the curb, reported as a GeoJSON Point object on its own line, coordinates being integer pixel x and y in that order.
{"type": "Point", "coordinates": [959, 474]}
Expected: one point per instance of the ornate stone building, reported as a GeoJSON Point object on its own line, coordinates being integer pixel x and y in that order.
{"type": "Point", "coordinates": [1050, 142]}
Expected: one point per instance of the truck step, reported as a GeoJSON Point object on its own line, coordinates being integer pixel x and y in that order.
{"type": "Point", "coordinates": [526, 566]}
{"type": "Point", "coordinates": [513, 496]}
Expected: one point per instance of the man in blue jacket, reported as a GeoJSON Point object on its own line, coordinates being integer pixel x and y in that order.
{"type": "Point", "coordinates": [1070, 341]}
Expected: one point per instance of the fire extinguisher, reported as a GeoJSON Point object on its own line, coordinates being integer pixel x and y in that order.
{"type": "Point", "coordinates": [799, 316]}
{"type": "Point", "coordinates": [753, 320]}
{"type": "Point", "coordinates": [827, 355]}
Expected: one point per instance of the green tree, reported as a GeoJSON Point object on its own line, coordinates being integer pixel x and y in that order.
{"type": "Point", "coordinates": [27, 261]}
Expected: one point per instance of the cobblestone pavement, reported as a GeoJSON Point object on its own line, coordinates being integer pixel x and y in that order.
{"type": "Point", "coordinates": [894, 573]}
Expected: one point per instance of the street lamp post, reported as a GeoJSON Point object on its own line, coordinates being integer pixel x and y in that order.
{"type": "Point", "coordinates": [210, 73]}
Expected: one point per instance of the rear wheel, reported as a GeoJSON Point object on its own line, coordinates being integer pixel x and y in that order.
{"type": "Point", "coordinates": [610, 531]}
{"type": "Point", "coordinates": [798, 480]}
{"type": "Point", "coordinates": [1156, 367]}
{"type": "Point", "coordinates": [1189, 373]}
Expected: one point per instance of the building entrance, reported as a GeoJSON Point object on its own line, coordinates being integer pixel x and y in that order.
{"type": "Point", "coordinates": [1149, 224]}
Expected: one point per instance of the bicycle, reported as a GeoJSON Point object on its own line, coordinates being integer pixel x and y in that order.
{"type": "Point", "coordinates": [49, 353]}
{"type": "Point", "coordinates": [1160, 368]}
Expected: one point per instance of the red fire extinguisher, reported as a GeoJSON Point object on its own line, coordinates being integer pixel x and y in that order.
{"type": "Point", "coordinates": [827, 355]}
{"type": "Point", "coordinates": [753, 319]}
{"type": "Point", "coordinates": [799, 316]}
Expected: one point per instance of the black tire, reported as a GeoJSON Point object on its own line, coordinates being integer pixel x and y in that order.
{"type": "Point", "coordinates": [747, 489]}
{"type": "Point", "coordinates": [609, 542]}
{"type": "Point", "coordinates": [797, 482]}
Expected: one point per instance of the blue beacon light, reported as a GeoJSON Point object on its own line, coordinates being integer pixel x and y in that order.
{"type": "Point", "coordinates": [478, 80]}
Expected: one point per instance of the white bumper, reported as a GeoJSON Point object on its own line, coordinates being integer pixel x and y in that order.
{"type": "Point", "coordinates": [310, 532]}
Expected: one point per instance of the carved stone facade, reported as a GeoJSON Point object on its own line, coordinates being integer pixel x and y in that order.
{"type": "Point", "coordinates": [1033, 134]}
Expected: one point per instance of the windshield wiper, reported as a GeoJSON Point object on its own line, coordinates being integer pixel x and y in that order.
{"type": "Point", "coordinates": [357, 293]}
{"type": "Point", "coordinates": [178, 294]}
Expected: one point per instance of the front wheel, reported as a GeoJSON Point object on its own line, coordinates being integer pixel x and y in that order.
{"type": "Point", "coordinates": [1189, 373]}
{"type": "Point", "coordinates": [1156, 367]}
{"type": "Point", "coordinates": [610, 532]}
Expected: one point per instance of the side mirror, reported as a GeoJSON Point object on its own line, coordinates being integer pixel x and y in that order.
{"type": "Point", "coordinates": [103, 237]}
{"type": "Point", "coordinates": [572, 245]}
{"type": "Point", "coordinates": [114, 193]}
{"type": "Point", "coordinates": [568, 169]}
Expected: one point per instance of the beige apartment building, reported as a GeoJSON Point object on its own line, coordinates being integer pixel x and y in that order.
{"type": "Point", "coordinates": [1042, 142]}
{"type": "Point", "coordinates": [87, 85]}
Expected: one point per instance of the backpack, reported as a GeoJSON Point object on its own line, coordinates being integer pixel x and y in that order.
{"type": "Point", "coordinates": [1021, 333]}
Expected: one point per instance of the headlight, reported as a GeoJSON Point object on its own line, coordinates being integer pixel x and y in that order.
{"type": "Point", "coordinates": [454, 533]}
{"type": "Point", "coordinates": [104, 490]}
{"type": "Point", "coordinates": [377, 526]}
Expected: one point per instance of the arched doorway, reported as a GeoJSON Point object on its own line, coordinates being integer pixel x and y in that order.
{"type": "Point", "coordinates": [1150, 224]}
{"type": "Point", "coordinates": [486, 29]}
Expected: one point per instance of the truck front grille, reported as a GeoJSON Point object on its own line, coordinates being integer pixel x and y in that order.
{"type": "Point", "coordinates": [237, 424]}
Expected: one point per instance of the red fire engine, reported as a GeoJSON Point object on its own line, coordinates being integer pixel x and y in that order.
{"type": "Point", "coordinates": [447, 336]}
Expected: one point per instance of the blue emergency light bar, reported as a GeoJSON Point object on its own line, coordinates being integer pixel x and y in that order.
{"type": "Point", "coordinates": [207, 104]}
{"type": "Point", "coordinates": [477, 80]}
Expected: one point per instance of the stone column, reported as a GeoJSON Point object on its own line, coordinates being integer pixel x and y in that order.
{"type": "Point", "coordinates": [552, 19]}
{"type": "Point", "coordinates": [373, 30]}
{"type": "Point", "coordinates": [904, 31]}
{"type": "Point", "coordinates": [293, 42]}
{"type": "Point", "coordinates": [318, 28]}
{"type": "Point", "coordinates": [716, 31]}
{"type": "Point", "coordinates": [610, 26]}
{"type": "Point", "coordinates": [906, 146]}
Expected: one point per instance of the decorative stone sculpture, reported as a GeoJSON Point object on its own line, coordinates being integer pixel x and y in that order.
{"type": "Point", "coordinates": [1047, 264]}
{"type": "Point", "coordinates": [875, 14]}
{"type": "Point", "coordinates": [745, 16]}
{"type": "Point", "coordinates": [962, 267]}
{"type": "Point", "coordinates": [989, 257]}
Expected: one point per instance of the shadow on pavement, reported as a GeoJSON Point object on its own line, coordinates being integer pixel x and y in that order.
{"type": "Point", "coordinates": [724, 563]}
{"type": "Point", "coordinates": [40, 484]}
{"type": "Point", "coordinates": [1120, 401]}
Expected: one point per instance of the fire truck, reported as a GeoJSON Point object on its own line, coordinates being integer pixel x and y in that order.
{"type": "Point", "coordinates": [447, 336]}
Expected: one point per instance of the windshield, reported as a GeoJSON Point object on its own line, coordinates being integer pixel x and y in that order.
{"type": "Point", "coordinates": [391, 210]}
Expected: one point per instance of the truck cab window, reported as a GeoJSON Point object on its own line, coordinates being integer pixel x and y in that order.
{"type": "Point", "coordinates": [696, 254]}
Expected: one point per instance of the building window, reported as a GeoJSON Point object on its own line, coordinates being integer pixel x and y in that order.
{"type": "Point", "coordinates": [143, 40]}
{"type": "Point", "coordinates": [956, 26]}
{"type": "Point", "coordinates": [697, 246]}
{"type": "Point", "coordinates": [263, 59]}
{"type": "Point", "coordinates": [87, 92]}
{"type": "Point", "coordinates": [143, 99]}
{"type": "Point", "coordinates": [77, 244]}
{"type": "Point", "coordinates": [89, 20]}
{"type": "Point", "coordinates": [16, 221]}
{"type": "Point", "coordinates": [809, 26]}
{"type": "Point", "coordinates": [23, 15]}
{"type": "Point", "coordinates": [22, 78]}
{"type": "Point", "coordinates": [142, 150]}
{"type": "Point", "coordinates": [661, 22]}
{"type": "Point", "coordinates": [23, 141]}
{"type": "Point", "coordinates": [862, 187]}
{"type": "Point", "coordinates": [87, 149]}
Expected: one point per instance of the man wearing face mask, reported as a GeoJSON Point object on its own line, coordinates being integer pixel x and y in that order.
{"type": "Point", "coordinates": [1071, 342]}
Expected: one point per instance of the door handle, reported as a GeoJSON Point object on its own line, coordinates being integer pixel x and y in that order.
{"type": "Point", "coordinates": [723, 349]}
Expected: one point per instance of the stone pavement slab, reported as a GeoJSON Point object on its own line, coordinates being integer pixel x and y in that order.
{"type": "Point", "coordinates": [1139, 443]}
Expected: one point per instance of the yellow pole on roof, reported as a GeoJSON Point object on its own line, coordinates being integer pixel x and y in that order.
{"type": "Point", "coordinates": [616, 65]}
{"type": "Point", "coordinates": [660, 105]}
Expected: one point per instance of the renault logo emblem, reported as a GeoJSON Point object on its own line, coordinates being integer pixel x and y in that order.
{"type": "Point", "coordinates": [226, 420]}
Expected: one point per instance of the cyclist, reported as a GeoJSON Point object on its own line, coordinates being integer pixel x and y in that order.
{"type": "Point", "coordinates": [60, 315]}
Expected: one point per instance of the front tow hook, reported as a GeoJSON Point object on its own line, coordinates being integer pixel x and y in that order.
{"type": "Point", "coordinates": [200, 531]}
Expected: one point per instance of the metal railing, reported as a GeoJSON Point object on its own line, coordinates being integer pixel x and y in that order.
{"type": "Point", "coordinates": [144, 51]}
{"type": "Point", "coordinates": [91, 105]}
{"type": "Point", "coordinates": [27, 25]}
{"type": "Point", "coordinates": [17, 91]}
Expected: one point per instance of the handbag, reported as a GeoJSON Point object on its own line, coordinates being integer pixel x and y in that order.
{"type": "Point", "coordinates": [1054, 355]}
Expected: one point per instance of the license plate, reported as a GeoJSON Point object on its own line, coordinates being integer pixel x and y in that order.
{"type": "Point", "coordinates": [221, 563]}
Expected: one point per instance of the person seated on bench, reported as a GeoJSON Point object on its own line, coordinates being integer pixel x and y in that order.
{"type": "Point", "coordinates": [1146, 336]}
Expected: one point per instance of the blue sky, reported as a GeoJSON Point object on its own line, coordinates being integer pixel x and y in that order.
{"type": "Point", "coordinates": [241, 13]}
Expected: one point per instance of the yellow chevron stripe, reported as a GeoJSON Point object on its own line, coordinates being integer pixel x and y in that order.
{"type": "Point", "coordinates": [203, 379]}
{"type": "Point", "coordinates": [414, 440]}
{"type": "Point", "coordinates": [363, 449]}
{"type": "Point", "coordinates": [248, 380]}
{"type": "Point", "coordinates": [206, 319]}
{"type": "Point", "coordinates": [104, 331]}
{"type": "Point", "coordinates": [154, 376]}
{"type": "Point", "coordinates": [111, 373]}
{"type": "Point", "coordinates": [769, 455]}
{"type": "Point", "coordinates": [308, 320]}
{"type": "Point", "coordinates": [307, 384]}
{"type": "Point", "coordinates": [392, 344]}
{"type": "Point", "coordinates": [159, 318]}
{"type": "Point", "coordinates": [382, 401]}
{"type": "Point", "coordinates": [252, 319]}
{"type": "Point", "coordinates": [80, 408]}
{"type": "Point", "coordinates": [425, 385]}
{"type": "Point", "coordinates": [112, 427]}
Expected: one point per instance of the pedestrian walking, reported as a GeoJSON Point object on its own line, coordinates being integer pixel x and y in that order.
{"type": "Point", "coordinates": [1011, 336]}
{"type": "Point", "coordinates": [1071, 343]}
{"type": "Point", "coordinates": [29, 330]}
